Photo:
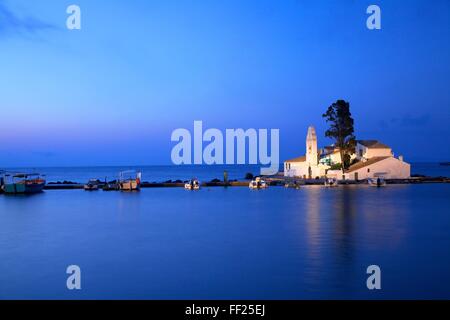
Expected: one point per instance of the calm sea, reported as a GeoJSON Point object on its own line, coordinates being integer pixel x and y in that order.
{"type": "Point", "coordinates": [228, 243]}
{"type": "Point", "coordinates": [159, 173]}
{"type": "Point", "coordinates": [184, 172]}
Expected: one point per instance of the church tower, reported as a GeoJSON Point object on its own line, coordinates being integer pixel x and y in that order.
{"type": "Point", "coordinates": [311, 147]}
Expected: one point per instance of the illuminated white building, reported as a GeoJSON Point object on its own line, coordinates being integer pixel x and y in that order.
{"type": "Point", "coordinates": [307, 166]}
{"type": "Point", "coordinates": [371, 159]}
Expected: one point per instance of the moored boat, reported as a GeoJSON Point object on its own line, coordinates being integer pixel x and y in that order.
{"type": "Point", "coordinates": [92, 185]}
{"type": "Point", "coordinates": [111, 186]}
{"type": "Point", "coordinates": [331, 182]}
{"type": "Point", "coordinates": [292, 184]}
{"type": "Point", "coordinates": [193, 184]}
{"type": "Point", "coordinates": [23, 183]}
{"type": "Point", "coordinates": [376, 182]}
{"type": "Point", "coordinates": [130, 180]}
{"type": "Point", "coordinates": [258, 183]}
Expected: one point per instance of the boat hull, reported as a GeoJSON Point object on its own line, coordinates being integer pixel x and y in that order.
{"type": "Point", "coordinates": [190, 187]}
{"type": "Point", "coordinates": [91, 187]}
{"type": "Point", "coordinates": [22, 188]}
{"type": "Point", "coordinates": [375, 183]}
{"type": "Point", "coordinates": [132, 185]}
{"type": "Point", "coordinates": [111, 187]}
{"type": "Point", "coordinates": [253, 185]}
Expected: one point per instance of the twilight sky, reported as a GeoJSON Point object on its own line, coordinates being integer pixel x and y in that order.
{"type": "Point", "coordinates": [113, 92]}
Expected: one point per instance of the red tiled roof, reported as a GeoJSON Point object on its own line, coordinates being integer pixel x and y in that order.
{"type": "Point", "coordinates": [360, 165]}
{"type": "Point", "coordinates": [374, 144]}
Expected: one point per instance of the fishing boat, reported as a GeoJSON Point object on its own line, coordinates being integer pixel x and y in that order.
{"type": "Point", "coordinates": [130, 180]}
{"type": "Point", "coordinates": [111, 186]}
{"type": "Point", "coordinates": [23, 183]}
{"type": "Point", "coordinates": [292, 184]}
{"type": "Point", "coordinates": [258, 183]}
{"type": "Point", "coordinates": [193, 184]}
{"type": "Point", "coordinates": [331, 182]}
{"type": "Point", "coordinates": [376, 182]}
{"type": "Point", "coordinates": [92, 185]}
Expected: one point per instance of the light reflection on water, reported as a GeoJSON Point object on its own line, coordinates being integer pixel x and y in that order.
{"type": "Point", "coordinates": [228, 243]}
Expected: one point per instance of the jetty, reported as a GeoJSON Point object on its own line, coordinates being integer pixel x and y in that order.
{"type": "Point", "coordinates": [273, 181]}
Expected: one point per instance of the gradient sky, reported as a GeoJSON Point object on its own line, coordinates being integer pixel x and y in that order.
{"type": "Point", "coordinates": [112, 92]}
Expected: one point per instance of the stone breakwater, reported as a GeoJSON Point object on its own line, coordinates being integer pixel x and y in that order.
{"type": "Point", "coordinates": [273, 181]}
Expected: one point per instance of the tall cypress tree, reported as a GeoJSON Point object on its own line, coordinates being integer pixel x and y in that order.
{"type": "Point", "coordinates": [341, 130]}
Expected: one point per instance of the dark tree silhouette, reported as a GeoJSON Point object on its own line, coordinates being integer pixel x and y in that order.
{"type": "Point", "coordinates": [341, 130]}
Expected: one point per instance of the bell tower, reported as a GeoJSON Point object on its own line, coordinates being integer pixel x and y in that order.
{"type": "Point", "coordinates": [311, 147]}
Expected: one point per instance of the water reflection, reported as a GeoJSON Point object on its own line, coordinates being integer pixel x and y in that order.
{"type": "Point", "coordinates": [312, 222]}
{"type": "Point", "coordinates": [228, 243]}
{"type": "Point", "coordinates": [339, 222]}
{"type": "Point", "coordinates": [129, 206]}
{"type": "Point", "coordinates": [385, 216]}
{"type": "Point", "coordinates": [344, 240]}
{"type": "Point", "coordinates": [344, 224]}
{"type": "Point", "coordinates": [329, 225]}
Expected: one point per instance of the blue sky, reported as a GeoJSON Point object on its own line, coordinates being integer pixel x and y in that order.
{"type": "Point", "coordinates": [112, 92]}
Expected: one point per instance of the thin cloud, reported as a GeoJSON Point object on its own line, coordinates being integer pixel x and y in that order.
{"type": "Point", "coordinates": [412, 121]}
{"type": "Point", "coordinates": [406, 121]}
{"type": "Point", "coordinates": [11, 23]}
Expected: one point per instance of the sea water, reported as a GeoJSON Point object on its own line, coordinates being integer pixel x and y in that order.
{"type": "Point", "coordinates": [162, 173]}
{"type": "Point", "coordinates": [228, 243]}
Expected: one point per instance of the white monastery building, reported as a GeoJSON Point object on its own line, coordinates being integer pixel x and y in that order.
{"type": "Point", "coordinates": [307, 166]}
{"type": "Point", "coordinates": [371, 159]}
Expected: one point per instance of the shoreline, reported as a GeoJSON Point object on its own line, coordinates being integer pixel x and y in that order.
{"type": "Point", "coordinates": [275, 182]}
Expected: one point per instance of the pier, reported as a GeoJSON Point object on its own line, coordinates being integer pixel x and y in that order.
{"type": "Point", "coordinates": [273, 181]}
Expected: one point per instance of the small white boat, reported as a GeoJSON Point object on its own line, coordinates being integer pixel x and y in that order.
{"type": "Point", "coordinates": [130, 180]}
{"type": "Point", "coordinates": [292, 184]}
{"type": "Point", "coordinates": [331, 182]}
{"type": "Point", "coordinates": [193, 184]}
{"type": "Point", "coordinates": [258, 183]}
{"type": "Point", "coordinates": [376, 182]}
